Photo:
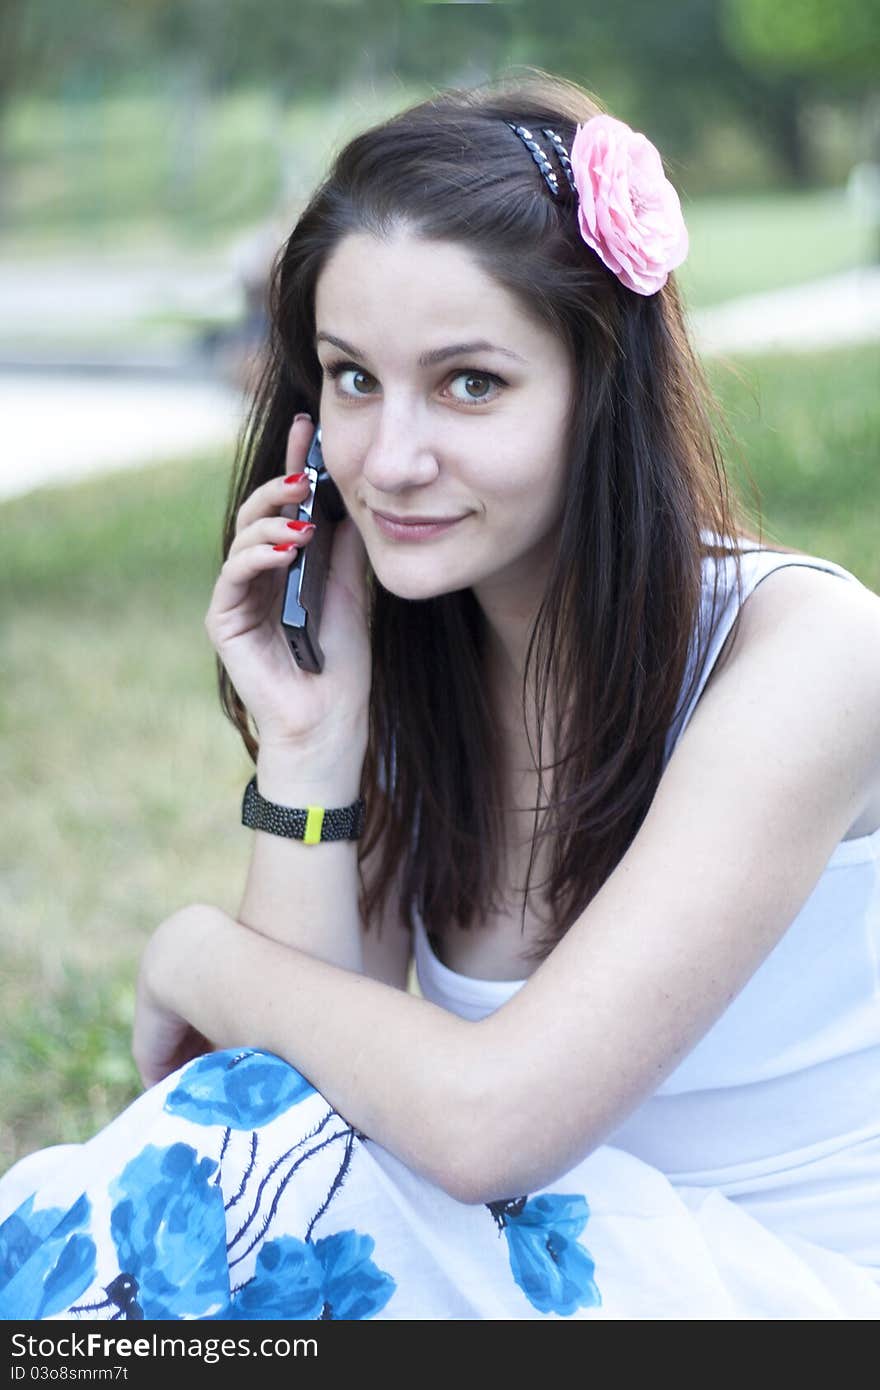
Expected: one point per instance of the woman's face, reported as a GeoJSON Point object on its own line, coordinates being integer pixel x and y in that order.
{"type": "Point", "coordinates": [474, 433]}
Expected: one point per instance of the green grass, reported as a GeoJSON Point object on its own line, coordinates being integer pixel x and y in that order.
{"type": "Point", "coordinates": [807, 429]}
{"type": "Point", "coordinates": [126, 780]}
{"type": "Point", "coordinates": [748, 244]}
{"type": "Point", "coordinates": [65, 1065]}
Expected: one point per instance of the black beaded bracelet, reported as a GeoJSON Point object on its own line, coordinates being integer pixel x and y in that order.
{"type": "Point", "coordinates": [311, 824]}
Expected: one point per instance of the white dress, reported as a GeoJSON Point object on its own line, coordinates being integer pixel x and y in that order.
{"type": "Point", "coordinates": [746, 1187]}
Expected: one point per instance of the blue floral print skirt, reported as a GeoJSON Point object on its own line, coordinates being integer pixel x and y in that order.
{"type": "Point", "coordinates": [233, 1190]}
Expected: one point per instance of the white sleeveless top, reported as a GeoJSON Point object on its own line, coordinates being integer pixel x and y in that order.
{"type": "Point", "coordinates": [790, 1074]}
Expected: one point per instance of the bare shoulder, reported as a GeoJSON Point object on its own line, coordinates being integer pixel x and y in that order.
{"type": "Point", "coordinates": [803, 662]}
{"type": "Point", "coordinates": [811, 608]}
{"type": "Point", "coordinates": [828, 630]}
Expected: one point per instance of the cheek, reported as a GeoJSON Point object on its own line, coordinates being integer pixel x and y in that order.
{"type": "Point", "coordinates": [343, 445]}
{"type": "Point", "coordinates": [524, 480]}
{"type": "Point", "coordinates": [340, 462]}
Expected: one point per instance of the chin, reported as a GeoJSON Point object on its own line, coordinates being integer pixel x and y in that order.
{"type": "Point", "coordinates": [414, 592]}
{"type": "Point", "coordinates": [415, 582]}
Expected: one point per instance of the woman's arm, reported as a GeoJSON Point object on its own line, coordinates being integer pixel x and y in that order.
{"type": "Point", "coordinates": [391, 1063]}
{"type": "Point", "coordinates": [305, 895]}
{"type": "Point", "coordinates": [779, 759]}
{"type": "Point", "coordinates": [313, 731]}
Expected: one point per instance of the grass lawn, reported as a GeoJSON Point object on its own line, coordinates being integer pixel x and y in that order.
{"type": "Point", "coordinates": [126, 780]}
{"type": "Point", "coordinates": [749, 244]}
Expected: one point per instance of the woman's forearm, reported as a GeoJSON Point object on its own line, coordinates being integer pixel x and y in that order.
{"type": "Point", "coordinates": [395, 1066]}
{"type": "Point", "coordinates": [305, 895]}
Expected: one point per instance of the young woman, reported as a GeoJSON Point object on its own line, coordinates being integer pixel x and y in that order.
{"type": "Point", "coordinates": [621, 773]}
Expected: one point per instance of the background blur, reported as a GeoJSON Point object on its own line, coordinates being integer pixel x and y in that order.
{"type": "Point", "coordinates": [152, 155]}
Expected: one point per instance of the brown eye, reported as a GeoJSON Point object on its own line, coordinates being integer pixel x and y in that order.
{"type": "Point", "coordinates": [491, 386]}
{"type": "Point", "coordinates": [469, 381]}
{"type": "Point", "coordinates": [339, 369]}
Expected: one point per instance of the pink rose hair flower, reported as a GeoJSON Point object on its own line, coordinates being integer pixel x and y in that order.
{"type": "Point", "coordinates": [628, 211]}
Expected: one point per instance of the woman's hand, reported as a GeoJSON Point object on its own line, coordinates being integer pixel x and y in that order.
{"type": "Point", "coordinates": [163, 1039]}
{"type": "Point", "coordinates": [291, 707]}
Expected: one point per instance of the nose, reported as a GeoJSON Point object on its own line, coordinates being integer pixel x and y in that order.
{"type": "Point", "coordinates": [399, 455]}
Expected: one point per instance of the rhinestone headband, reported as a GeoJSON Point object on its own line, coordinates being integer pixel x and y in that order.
{"type": "Point", "coordinates": [548, 172]}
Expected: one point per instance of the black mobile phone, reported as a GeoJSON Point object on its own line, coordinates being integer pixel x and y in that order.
{"type": "Point", "coordinates": [306, 580]}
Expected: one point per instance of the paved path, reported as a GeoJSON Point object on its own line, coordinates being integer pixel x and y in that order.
{"type": "Point", "coordinates": [59, 427]}
{"type": "Point", "coordinates": [835, 312]}
{"type": "Point", "coordinates": [107, 293]}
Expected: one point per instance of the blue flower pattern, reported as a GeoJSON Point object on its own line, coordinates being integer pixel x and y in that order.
{"type": "Point", "coordinates": [46, 1259]}
{"type": "Point", "coordinates": [243, 1090]}
{"type": "Point", "coordinates": [332, 1279]}
{"type": "Point", "coordinates": [185, 1223]}
{"type": "Point", "coordinates": [552, 1268]}
{"type": "Point", "coordinates": [165, 1209]}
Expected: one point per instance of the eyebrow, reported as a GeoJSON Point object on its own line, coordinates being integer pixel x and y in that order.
{"type": "Point", "coordinates": [427, 359]}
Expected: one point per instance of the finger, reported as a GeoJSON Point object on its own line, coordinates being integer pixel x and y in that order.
{"type": "Point", "coordinates": [273, 530]}
{"type": "Point", "coordinates": [277, 491]}
{"type": "Point", "coordinates": [271, 497]}
{"type": "Point", "coordinates": [301, 430]}
{"type": "Point", "coordinates": [241, 569]}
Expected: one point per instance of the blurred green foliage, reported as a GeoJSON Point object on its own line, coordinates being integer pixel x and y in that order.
{"type": "Point", "coordinates": [674, 70]}
{"type": "Point", "coordinates": [840, 39]}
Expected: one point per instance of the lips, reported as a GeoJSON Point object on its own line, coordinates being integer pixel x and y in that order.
{"type": "Point", "coordinates": [417, 520]}
{"type": "Point", "coordinates": [412, 529]}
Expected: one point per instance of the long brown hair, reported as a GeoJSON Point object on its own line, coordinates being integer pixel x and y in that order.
{"type": "Point", "coordinates": [647, 498]}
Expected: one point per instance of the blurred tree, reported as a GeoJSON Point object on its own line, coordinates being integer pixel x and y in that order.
{"type": "Point", "coordinates": [673, 69]}
{"type": "Point", "coordinates": [45, 45]}
{"type": "Point", "coordinates": [637, 52]}
{"type": "Point", "coordinates": [833, 47]}
{"type": "Point", "coordinates": [839, 39]}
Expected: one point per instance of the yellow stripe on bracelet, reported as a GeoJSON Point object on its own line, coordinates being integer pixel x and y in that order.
{"type": "Point", "coordinates": [314, 823]}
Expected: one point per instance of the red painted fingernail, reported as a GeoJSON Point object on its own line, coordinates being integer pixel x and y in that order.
{"type": "Point", "coordinates": [291, 546]}
{"type": "Point", "coordinates": [302, 526]}
{"type": "Point", "coordinates": [296, 478]}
